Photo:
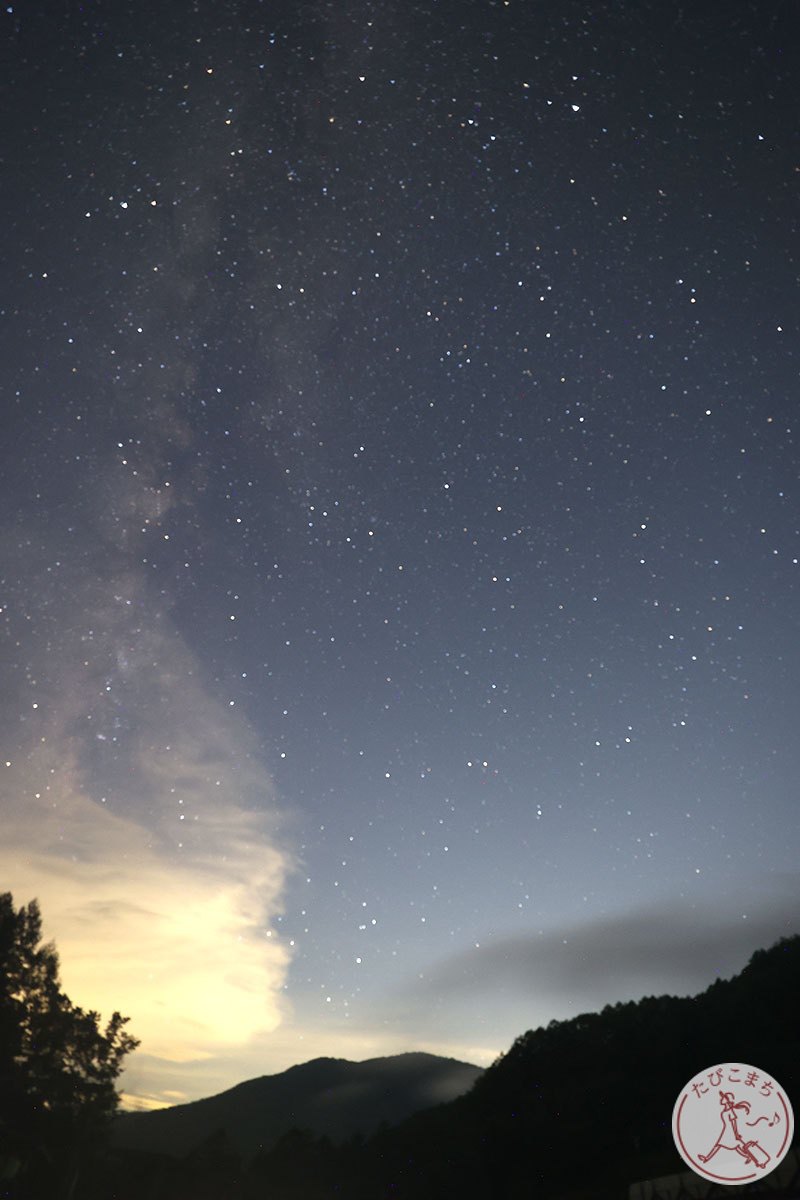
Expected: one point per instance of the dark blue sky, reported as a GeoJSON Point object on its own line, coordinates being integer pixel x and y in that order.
{"type": "Point", "coordinates": [400, 525]}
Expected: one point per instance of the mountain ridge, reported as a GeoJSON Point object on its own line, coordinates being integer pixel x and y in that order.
{"type": "Point", "coordinates": [577, 1110]}
{"type": "Point", "coordinates": [333, 1097]}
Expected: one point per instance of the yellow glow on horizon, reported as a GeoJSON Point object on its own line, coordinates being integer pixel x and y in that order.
{"type": "Point", "coordinates": [178, 947]}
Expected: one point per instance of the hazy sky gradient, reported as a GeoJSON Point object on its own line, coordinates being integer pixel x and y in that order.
{"type": "Point", "coordinates": [398, 537]}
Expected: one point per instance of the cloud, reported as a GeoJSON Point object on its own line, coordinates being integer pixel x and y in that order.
{"type": "Point", "coordinates": [182, 945]}
{"type": "Point", "coordinates": [672, 948]}
{"type": "Point", "coordinates": [136, 805]}
{"type": "Point", "coordinates": [138, 811]}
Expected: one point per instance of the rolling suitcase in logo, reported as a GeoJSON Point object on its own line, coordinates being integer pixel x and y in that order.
{"type": "Point", "coordinates": [756, 1154]}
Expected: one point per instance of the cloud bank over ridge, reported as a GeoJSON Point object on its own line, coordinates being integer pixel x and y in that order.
{"type": "Point", "coordinates": [137, 806]}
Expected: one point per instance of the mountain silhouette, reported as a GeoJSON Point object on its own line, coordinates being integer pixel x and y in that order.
{"type": "Point", "coordinates": [583, 1107]}
{"type": "Point", "coordinates": [328, 1096]}
{"type": "Point", "coordinates": [579, 1110]}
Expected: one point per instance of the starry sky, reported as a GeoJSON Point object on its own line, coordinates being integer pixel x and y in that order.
{"type": "Point", "coordinates": [398, 514]}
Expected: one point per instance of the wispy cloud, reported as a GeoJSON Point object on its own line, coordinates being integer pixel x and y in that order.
{"type": "Point", "coordinates": [137, 810]}
{"type": "Point", "coordinates": [672, 948]}
{"type": "Point", "coordinates": [136, 805]}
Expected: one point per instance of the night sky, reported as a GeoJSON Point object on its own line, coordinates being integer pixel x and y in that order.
{"type": "Point", "coordinates": [399, 514]}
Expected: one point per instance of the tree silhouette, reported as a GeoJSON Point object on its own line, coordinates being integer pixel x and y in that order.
{"type": "Point", "coordinates": [57, 1068]}
{"type": "Point", "coordinates": [579, 1110]}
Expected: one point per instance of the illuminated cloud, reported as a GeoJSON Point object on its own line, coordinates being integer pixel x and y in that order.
{"type": "Point", "coordinates": [185, 955]}
{"type": "Point", "coordinates": [137, 810]}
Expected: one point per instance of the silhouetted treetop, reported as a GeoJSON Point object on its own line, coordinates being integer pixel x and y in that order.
{"type": "Point", "coordinates": [58, 1069]}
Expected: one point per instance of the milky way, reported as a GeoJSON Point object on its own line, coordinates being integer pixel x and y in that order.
{"type": "Point", "coordinates": [399, 540]}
